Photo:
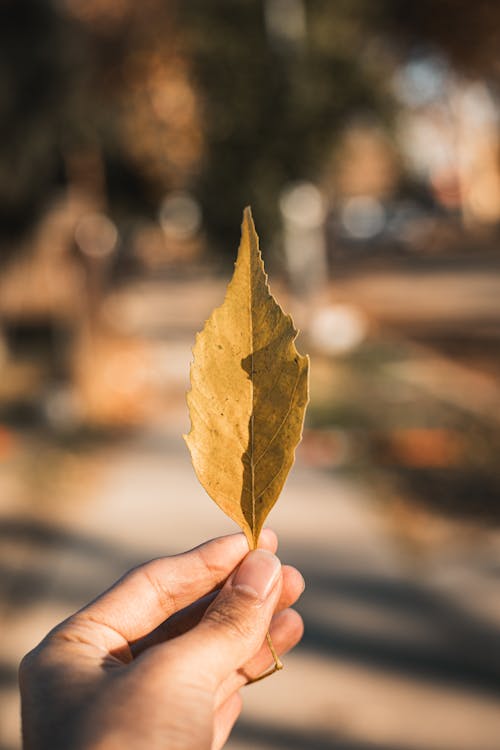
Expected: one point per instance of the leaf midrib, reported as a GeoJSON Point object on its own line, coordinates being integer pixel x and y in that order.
{"type": "Point", "coordinates": [252, 390]}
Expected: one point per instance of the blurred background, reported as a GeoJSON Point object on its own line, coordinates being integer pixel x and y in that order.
{"type": "Point", "coordinates": [366, 137]}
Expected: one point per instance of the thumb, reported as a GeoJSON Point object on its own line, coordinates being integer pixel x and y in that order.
{"type": "Point", "coordinates": [235, 625]}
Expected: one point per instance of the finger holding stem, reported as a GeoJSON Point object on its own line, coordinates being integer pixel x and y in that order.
{"type": "Point", "coordinates": [239, 617]}
{"type": "Point", "coordinates": [278, 664]}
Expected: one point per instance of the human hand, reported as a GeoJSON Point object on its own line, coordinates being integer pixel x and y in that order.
{"type": "Point", "coordinates": [157, 661]}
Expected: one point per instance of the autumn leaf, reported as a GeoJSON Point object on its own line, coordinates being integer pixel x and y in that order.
{"type": "Point", "coordinates": [249, 391]}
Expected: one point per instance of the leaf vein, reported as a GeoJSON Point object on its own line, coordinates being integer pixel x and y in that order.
{"type": "Point", "coordinates": [283, 421]}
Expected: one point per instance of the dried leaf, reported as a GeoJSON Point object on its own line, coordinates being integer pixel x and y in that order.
{"type": "Point", "coordinates": [249, 390]}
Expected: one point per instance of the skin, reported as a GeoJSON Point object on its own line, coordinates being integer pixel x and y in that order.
{"type": "Point", "coordinates": [158, 660]}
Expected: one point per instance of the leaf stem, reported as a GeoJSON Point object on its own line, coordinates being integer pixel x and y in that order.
{"type": "Point", "coordinates": [276, 666]}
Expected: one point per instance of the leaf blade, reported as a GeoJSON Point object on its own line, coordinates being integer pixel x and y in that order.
{"type": "Point", "coordinates": [249, 391]}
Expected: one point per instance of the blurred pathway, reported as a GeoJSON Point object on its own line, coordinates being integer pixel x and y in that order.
{"type": "Point", "coordinates": [402, 650]}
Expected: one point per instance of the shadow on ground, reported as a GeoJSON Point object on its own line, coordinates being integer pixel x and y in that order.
{"type": "Point", "coordinates": [270, 737]}
{"type": "Point", "coordinates": [465, 651]}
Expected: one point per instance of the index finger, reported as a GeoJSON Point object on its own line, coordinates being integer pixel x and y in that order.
{"type": "Point", "coordinates": [146, 596]}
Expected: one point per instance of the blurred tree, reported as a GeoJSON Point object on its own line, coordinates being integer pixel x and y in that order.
{"type": "Point", "coordinates": [100, 93]}
{"type": "Point", "coordinates": [276, 94]}
{"type": "Point", "coordinates": [232, 101]}
{"type": "Point", "coordinates": [95, 95]}
{"type": "Point", "coordinates": [34, 88]}
{"type": "Point", "coordinates": [469, 33]}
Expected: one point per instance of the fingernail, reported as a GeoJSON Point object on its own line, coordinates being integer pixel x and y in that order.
{"type": "Point", "coordinates": [258, 573]}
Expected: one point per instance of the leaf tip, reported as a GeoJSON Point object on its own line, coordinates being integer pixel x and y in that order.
{"type": "Point", "coordinates": [248, 223]}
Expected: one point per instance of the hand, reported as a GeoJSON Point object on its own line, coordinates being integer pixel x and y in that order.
{"type": "Point", "coordinates": [156, 662]}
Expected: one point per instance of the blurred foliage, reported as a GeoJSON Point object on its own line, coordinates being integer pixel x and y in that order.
{"type": "Point", "coordinates": [110, 83]}
{"type": "Point", "coordinates": [128, 101]}
{"type": "Point", "coordinates": [469, 33]}
{"type": "Point", "coordinates": [34, 100]}
{"type": "Point", "coordinates": [81, 87]}
{"type": "Point", "coordinates": [273, 107]}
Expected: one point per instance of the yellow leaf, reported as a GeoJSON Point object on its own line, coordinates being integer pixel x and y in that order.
{"type": "Point", "coordinates": [249, 391]}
